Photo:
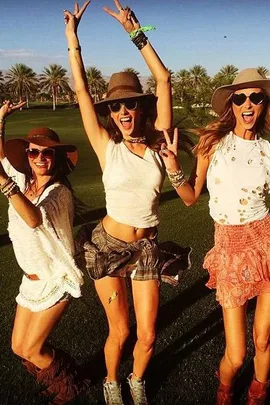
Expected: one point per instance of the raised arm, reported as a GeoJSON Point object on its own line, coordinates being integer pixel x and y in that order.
{"type": "Point", "coordinates": [128, 20]}
{"type": "Point", "coordinates": [7, 108]}
{"type": "Point", "coordinates": [97, 134]}
{"type": "Point", "coordinates": [189, 191]}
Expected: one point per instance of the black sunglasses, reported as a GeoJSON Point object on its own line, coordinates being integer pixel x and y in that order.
{"type": "Point", "coordinates": [128, 104]}
{"type": "Point", "coordinates": [255, 98]}
{"type": "Point", "coordinates": [47, 153]}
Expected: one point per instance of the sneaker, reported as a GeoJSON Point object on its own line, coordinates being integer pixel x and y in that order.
{"type": "Point", "coordinates": [137, 390]}
{"type": "Point", "coordinates": [112, 393]}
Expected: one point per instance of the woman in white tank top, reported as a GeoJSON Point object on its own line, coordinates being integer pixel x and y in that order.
{"type": "Point", "coordinates": [133, 175]}
{"type": "Point", "coordinates": [235, 161]}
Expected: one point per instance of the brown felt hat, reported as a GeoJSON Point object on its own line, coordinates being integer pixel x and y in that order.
{"type": "Point", "coordinates": [247, 78]}
{"type": "Point", "coordinates": [122, 85]}
{"type": "Point", "coordinates": [16, 154]}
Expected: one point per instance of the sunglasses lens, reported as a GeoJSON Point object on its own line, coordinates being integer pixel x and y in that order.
{"type": "Point", "coordinates": [115, 107]}
{"type": "Point", "coordinates": [34, 153]}
{"type": "Point", "coordinates": [48, 153]}
{"type": "Point", "coordinates": [239, 99]}
{"type": "Point", "coordinates": [256, 98]}
{"type": "Point", "coordinates": [131, 104]}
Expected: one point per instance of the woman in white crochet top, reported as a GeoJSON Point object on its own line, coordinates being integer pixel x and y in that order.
{"type": "Point", "coordinates": [33, 174]}
{"type": "Point", "coordinates": [235, 160]}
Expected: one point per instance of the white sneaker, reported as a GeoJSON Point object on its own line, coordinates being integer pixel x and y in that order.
{"type": "Point", "coordinates": [112, 393]}
{"type": "Point", "coordinates": [137, 390]}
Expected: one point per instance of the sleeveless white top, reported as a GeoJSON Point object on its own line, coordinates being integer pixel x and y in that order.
{"type": "Point", "coordinates": [132, 185]}
{"type": "Point", "coordinates": [238, 180]}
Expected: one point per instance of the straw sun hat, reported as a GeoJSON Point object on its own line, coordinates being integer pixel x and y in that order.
{"type": "Point", "coordinates": [122, 85]}
{"type": "Point", "coordinates": [16, 154]}
{"type": "Point", "coordinates": [247, 78]}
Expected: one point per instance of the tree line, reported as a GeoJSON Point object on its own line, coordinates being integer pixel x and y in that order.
{"type": "Point", "coordinates": [192, 88]}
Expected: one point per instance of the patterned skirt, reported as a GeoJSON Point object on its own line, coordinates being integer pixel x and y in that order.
{"type": "Point", "coordinates": [103, 255]}
{"type": "Point", "coordinates": [239, 263]}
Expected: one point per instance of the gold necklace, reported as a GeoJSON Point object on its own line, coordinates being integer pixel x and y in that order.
{"type": "Point", "coordinates": [139, 139]}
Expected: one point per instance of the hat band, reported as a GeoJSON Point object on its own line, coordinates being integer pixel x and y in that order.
{"type": "Point", "coordinates": [43, 137]}
{"type": "Point", "coordinates": [123, 87]}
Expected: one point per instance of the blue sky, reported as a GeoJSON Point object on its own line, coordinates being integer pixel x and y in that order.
{"type": "Point", "coordinates": [211, 33]}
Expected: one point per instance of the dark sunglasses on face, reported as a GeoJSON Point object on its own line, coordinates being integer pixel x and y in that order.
{"type": "Point", "coordinates": [128, 104]}
{"type": "Point", "coordinates": [47, 153]}
{"type": "Point", "coordinates": [255, 98]}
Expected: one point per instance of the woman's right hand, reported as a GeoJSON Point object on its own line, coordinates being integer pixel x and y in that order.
{"type": "Point", "coordinates": [125, 16]}
{"type": "Point", "coordinates": [72, 20]}
{"type": "Point", "coordinates": [8, 108]}
{"type": "Point", "coordinates": [169, 151]}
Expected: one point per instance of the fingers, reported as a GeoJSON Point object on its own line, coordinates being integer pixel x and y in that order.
{"type": "Point", "coordinates": [82, 10]}
{"type": "Point", "coordinates": [111, 12]}
{"type": "Point", "coordinates": [118, 5]}
{"type": "Point", "coordinates": [76, 8]}
{"type": "Point", "coordinates": [175, 136]}
{"type": "Point", "coordinates": [167, 137]}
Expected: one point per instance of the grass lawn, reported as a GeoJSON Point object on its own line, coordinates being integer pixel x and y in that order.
{"type": "Point", "coordinates": [190, 333]}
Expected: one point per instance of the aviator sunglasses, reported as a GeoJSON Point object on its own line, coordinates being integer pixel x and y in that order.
{"type": "Point", "coordinates": [47, 153]}
{"type": "Point", "coordinates": [255, 98]}
{"type": "Point", "coordinates": [128, 104]}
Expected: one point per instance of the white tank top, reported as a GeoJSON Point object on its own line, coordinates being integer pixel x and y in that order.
{"type": "Point", "coordinates": [238, 180]}
{"type": "Point", "coordinates": [132, 185]}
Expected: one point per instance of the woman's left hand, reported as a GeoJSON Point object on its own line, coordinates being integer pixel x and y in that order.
{"type": "Point", "coordinates": [169, 151]}
{"type": "Point", "coordinates": [8, 108]}
{"type": "Point", "coordinates": [125, 16]}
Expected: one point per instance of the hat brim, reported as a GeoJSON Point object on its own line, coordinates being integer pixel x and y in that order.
{"type": "Point", "coordinates": [102, 109]}
{"type": "Point", "coordinates": [222, 95]}
{"type": "Point", "coordinates": [15, 152]}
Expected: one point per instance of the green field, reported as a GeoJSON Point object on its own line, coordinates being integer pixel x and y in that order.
{"type": "Point", "coordinates": [190, 334]}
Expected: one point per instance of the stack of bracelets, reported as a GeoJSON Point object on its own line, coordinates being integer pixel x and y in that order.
{"type": "Point", "coordinates": [9, 188]}
{"type": "Point", "coordinates": [177, 178]}
{"type": "Point", "coordinates": [139, 38]}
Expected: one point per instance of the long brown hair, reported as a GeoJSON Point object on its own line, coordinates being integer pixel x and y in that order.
{"type": "Point", "coordinates": [215, 131]}
{"type": "Point", "coordinates": [57, 172]}
{"type": "Point", "coordinates": [148, 118]}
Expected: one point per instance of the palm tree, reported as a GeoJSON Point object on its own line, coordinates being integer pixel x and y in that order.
{"type": "Point", "coordinates": [130, 69]}
{"type": "Point", "coordinates": [151, 85]}
{"type": "Point", "coordinates": [198, 76]}
{"type": "Point", "coordinates": [96, 83]}
{"type": "Point", "coordinates": [21, 81]}
{"type": "Point", "coordinates": [54, 80]}
{"type": "Point", "coordinates": [225, 75]}
{"type": "Point", "coordinates": [263, 70]}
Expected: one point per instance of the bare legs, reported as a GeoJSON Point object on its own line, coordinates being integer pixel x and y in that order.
{"type": "Point", "coordinates": [113, 295]}
{"type": "Point", "coordinates": [30, 331]}
{"type": "Point", "coordinates": [235, 332]}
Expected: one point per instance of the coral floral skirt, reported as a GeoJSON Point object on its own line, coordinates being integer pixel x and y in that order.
{"type": "Point", "coordinates": [239, 263]}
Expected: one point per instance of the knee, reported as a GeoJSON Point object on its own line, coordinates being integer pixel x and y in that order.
{"type": "Point", "coordinates": [147, 338]}
{"type": "Point", "coordinates": [261, 342]}
{"type": "Point", "coordinates": [17, 349]}
{"type": "Point", "coordinates": [236, 359]}
{"type": "Point", "coordinates": [119, 333]}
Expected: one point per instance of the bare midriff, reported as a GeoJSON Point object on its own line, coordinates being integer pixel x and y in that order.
{"type": "Point", "coordinates": [125, 232]}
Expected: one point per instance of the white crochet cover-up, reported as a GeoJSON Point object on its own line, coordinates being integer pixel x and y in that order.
{"type": "Point", "coordinates": [47, 250]}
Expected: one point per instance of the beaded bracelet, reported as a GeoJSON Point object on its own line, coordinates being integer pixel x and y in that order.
{"type": "Point", "coordinates": [177, 178]}
{"type": "Point", "coordinates": [9, 188]}
{"type": "Point", "coordinates": [140, 40]}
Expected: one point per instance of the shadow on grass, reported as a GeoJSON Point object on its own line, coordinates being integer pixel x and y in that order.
{"type": "Point", "coordinates": [189, 342]}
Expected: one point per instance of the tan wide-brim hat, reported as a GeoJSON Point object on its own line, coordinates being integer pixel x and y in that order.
{"type": "Point", "coordinates": [123, 85]}
{"type": "Point", "coordinates": [247, 78]}
{"type": "Point", "coordinates": [15, 149]}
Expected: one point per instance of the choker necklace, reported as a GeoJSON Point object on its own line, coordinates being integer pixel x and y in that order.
{"type": "Point", "coordinates": [139, 139]}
